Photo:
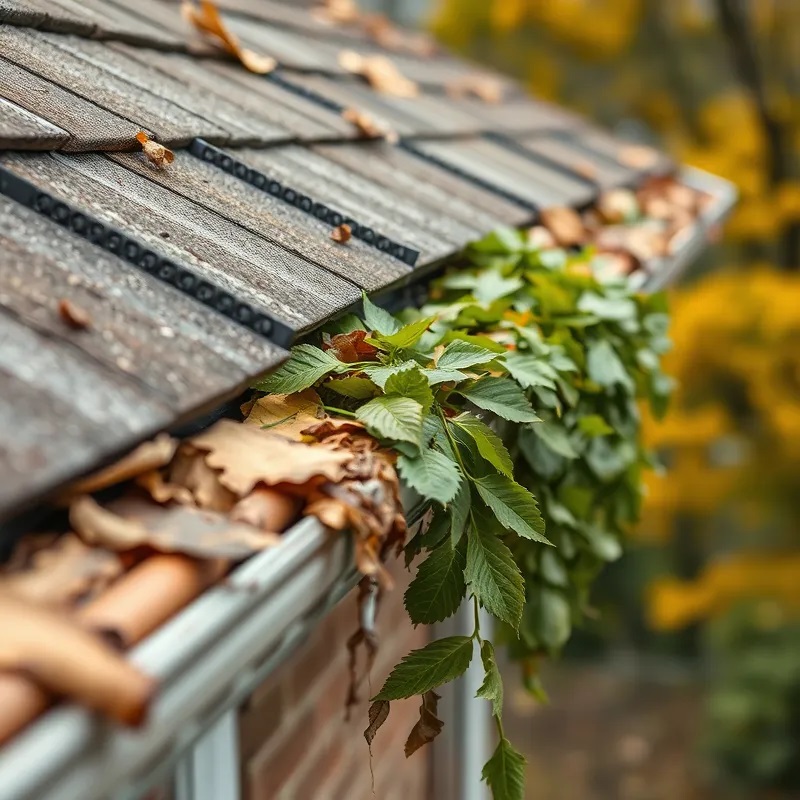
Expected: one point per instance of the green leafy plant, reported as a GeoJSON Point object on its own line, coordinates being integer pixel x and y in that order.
{"type": "Point", "coordinates": [511, 400]}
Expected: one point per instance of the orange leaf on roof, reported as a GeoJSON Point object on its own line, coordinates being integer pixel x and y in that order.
{"type": "Point", "coordinates": [380, 72]}
{"type": "Point", "coordinates": [156, 153]}
{"type": "Point", "coordinates": [208, 21]}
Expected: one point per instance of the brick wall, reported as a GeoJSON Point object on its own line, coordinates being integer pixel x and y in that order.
{"type": "Point", "coordinates": [295, 742]}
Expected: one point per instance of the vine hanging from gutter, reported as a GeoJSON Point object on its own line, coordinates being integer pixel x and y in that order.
{"type": "Point", "coordinates": [511, 403]}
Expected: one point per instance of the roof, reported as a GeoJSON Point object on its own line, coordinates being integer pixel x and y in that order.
{"type": "Point", "coordinates": [198, 277]}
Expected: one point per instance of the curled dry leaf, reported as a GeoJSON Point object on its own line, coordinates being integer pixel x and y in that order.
{"type": "Point", "coordinates": [208, 21]}
{"type": "Point", "coordinates": [350, 347]}
{"type": "Point", "coordinates": [380, 72]}
{"type": "Point", "coordinates": [378, 712]}
{"type": "Point", "coordinates": [132, 522]}
{"type": "Point", "coordinates": [638, 156]}
{"type": "Point", "coordinates": [190, 480]}
{"type": "Point", "coordinates": [368, 126]}
{"type": "Point", "coordinates": [388, 36]}
{"type": "Point", "coordinates": [246, 455]}
{"type": "Point", "coordinates": [483, 87]}
{"type": "Point", "coordinates": [428, 727]}
{"type": "Point", "coordinates": [73, 315]}
{"type": "Point", "coordinates": [617, 205]}
{"type": "Point", "coordinates": [565, 225]}
{"type": "Point", "coordinates": [147, 456]}
{"type": "Point", "coordinates": [286, 415]}
{"type": "Point", "coordinates": [66, 660]}
{"type": "Point", "coordinates": [337, 12]}
{"type": "Point", "coordinates": [62, 573]}
{"type": "Point", "coordinates": [342, 234]}
{"type": "Point", "coordinates": [156, 153]}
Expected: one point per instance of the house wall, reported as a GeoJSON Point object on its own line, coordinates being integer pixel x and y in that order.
{"type": "Point", "coordinates": [295, 742]}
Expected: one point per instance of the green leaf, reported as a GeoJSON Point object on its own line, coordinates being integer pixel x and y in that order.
{"type": "Point", "coordinates": [500, 396]}
{"type": "Point", "coordinates": [380, 373]}
{"type": "Point", "coordinates": [378, 319]}
{"type": "Point", "coordinates": [459, 511]}
{"type": "Point", "coordinates": [504, 772]}
{"type": "Point", "coordinates": [432, 474]}
{"type": "Point", "coordinates": [460, 355]}
{"type": "Point", "coordinates": [491, 286]}
{"type": "Point", "coordinates": [397, 418]}
{"type": "Point", "coordinates": [611, 309]}
{"type": "Point", "coordinates": [410, 383]}
{"type": "Point", "coordinates": [438, 588]}
{"type": "Point", "coordinates": [437, 376]}
{"type": "Point", "coordinates": [492, 686]}
{"type": "Point", "coordinates": [428, 668]}
{"type": "Point", "coordinates": [554, 622]}
{"type": "Point", "coordinates": [489, 444]}
{"type": "Point", "coordinates": [353, 386]}
{"type": "Point", "coordinates": [344, 324]}
{"type": "Point", "coordinates": [529, 370]}
{"type": "Point", "coordinates": [555, 436]}
{"type": "Point", "coordinates": [513, 505]}
{"type": "Point", "coordinates": [594, 425]}
{"type": "Point", "coordinates": [306, 365]}
{"type": "Point", "coordinates": [407, 336]}
{"type": "Point", "coordinates": [500, 240]}
{"type": "Point", "coordinates": [493, 576]}
{"type": "Point", "coordinates": [604, 366]}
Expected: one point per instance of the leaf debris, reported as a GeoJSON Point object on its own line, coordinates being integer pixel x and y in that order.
{"type": "Point", "coordinates": [156, 153]}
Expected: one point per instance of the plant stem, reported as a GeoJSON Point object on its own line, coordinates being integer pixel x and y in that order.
{"type": "Point", "coordinates": [341, 411]}
{"type": "Point", "coordinates": [477, 611]}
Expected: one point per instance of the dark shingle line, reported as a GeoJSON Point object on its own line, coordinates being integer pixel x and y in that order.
{"type": "Point", "coordinates": [129, 249]}
{"type": "Point", "coordinates": [505, 141]}
{"type": "Point", "coordinates": [225, 161]}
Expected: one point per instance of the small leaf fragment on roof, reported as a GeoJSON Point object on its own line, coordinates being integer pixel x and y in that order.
{"type": "Point", "coordinates": [337, 12]}
{"type": "Point", "coordinates": [368, 126]}
{"type": "Point", "coordinates": [208, 21]}
{"type": "Point", "coordinates": [156, 153]}
{"type": "Point", "coordinates": [342, 233]}
{"type": "Point", "coordinates": [637, 156]}
{"type": "Point", "coordinates": [565, 224]}
{"type": "Point", "coordinates": [67, 660]}
{"type": "Point", "coordinates": [286, 415]}
{"type": "Point", "coordinates": [73, 315]}
{"type": "Point", "coordinates": [380, 72]}
{"type": "Point", "coordinates": [483, 87]}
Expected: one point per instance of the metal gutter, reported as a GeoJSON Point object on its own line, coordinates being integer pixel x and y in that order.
{"type": "Point", "coordinates": [211, 655]}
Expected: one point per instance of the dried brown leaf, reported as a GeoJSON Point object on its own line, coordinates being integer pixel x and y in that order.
{"type": "Point", "coordinates": [378, 712]}
{"type": "Point", "coordinates": [483, 87]}
{"type": "Point", "coordinates": [208, 21]}
{"type": "Point", "coordinates": [190, 471]}
{"type": "Point", "coordinates": [147, 456]}
{"type": "Point", "coordinates": [368, 126]}
{"type": "Point", "coordinates": [337, 12]}
{"type": "Point", "coordinates": [247, 455]}
{"type": "Point", "coordinates": [565, 224]}
{"type": "Point", "coordinates": [428, 727]}
{"type": "Point", "coordinates": [156, 153]}
{"type": "Point", "coordinates": [380, 72]}
{"type": "Point", "coordinates": [617, 205]}
{"type": "Point", "coordinates": [286, 415]}
{"type": "Point", "coordinates": [342, 234]}
{"type": "Point", "coordinates": [132, 522]}
{"type": "Point", "coordinates": [333, 426]}
{"type": "Point", "coordinates": [62, 573]}
{"type": "Point", "coordinates": [637, 156]}
{"type": "Point", "coordinates": [65, 659]}
{"type": "Point", "coordinates": [73, 315]}
{"type": "Point", "coordinates": [350, 347]}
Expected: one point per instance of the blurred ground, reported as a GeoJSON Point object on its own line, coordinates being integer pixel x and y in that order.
{"type": "Point", "coordinates": [610, 734]}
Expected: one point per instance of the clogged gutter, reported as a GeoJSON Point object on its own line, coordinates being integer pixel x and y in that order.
{"type": "Point", "coordinates": [553, 342]}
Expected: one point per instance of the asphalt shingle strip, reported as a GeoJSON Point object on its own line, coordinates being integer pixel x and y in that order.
{"type": "Point", "coordinates": [89, 126]}
{"type": "Point", "coordinates": [273, 219]}
{"type": "Point", "coordinates": [73, 398]}
{"type": "Point", "coordinates": [22, 130]}
{"type": "Point", "coordinates": [170, 123]}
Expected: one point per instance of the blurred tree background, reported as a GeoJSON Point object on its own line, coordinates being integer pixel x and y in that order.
{"type": "Point", "coordinates": [712, 578]}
